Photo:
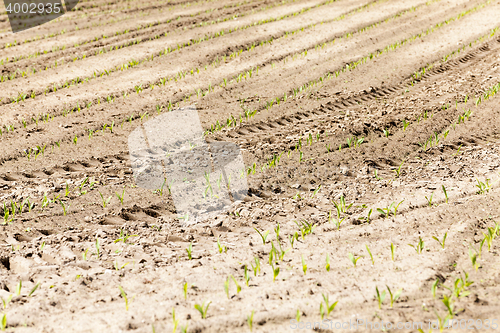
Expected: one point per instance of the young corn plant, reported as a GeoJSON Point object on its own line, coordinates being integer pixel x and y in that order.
{"type": "Point", "coordinates": [395, 296]}
{"type": "Point", "coordinates": [370, 253]}
{"type": "Point", "coordinates": [263, 236]}
{"type": "Point", "coordinates": [329, 308]}
{"type": "Point", "coordinates": [202, 309]}
{"type": "Point", "coordinates": [393, 250]}
{"type": "Point", "coordinates": [120, 197]}
{"type": "Point", "coordinates": [276, 271]}
{"type": "Point", "coordinates": [256, 268]}
{"type": "Point", "coordinates": [250, 321]}
{"type": "Point", "coordinates": [105, 202]}
{"type": "Point", "coordinates": [304, 265]}
{"type": "Point", "coordinates": [380, 297]}
{"type": "Point", "coordinates": [353, 258]}
{"type": "Point", "coordinates": [189, 251]}
{"type": "Point", "coordinates": [327, 262]}
{"type": "Point", "coordinates": [441, 242]}
{"type": "Point", "coordinates": [222, 248]}
{"type": "Point", "coordinates": [445, 193]}
{"type": "Point", "coordinates": [419, 247]}
{"type": "Point", "coordinates": [125, 297]}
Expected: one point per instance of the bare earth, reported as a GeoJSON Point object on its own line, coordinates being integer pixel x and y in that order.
{"type": "Point", "coordinates": [364, 126]}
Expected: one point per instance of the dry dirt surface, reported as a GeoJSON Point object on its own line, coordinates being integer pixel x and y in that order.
{"type": "Point", "coordinates": [370, 137]}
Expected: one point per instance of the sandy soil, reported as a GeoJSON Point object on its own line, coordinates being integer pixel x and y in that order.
{"type": "Point", "coordinates": [370, 136]}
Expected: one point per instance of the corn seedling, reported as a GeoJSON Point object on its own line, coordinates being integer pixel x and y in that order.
{"type": "Point", "coordinates": [246, 275]}
{"type": "Point", "coordinates": [185, 289]}
{"type": "Point", "coordinates": [202, 309]}
{"type": "Point", "coordinates": [98, 248]}
{"type": "Point", "coordinates": [380, 297]}
{"type": "Point", "coordinates": [175, 321]}
{"type": "Point", "coordinates": [393, 250]}
{"type": "Point", "coordinates": [445, 193]}
{"type": "Point", "coordinates": [64, 206]}
{"type": "Point", "coordinates": [395, 296]}
{"type": "Point", "coordinates": [263, 236]}
{"type": "Point", "coordinates": [329, 308]}
{"type": "Point", "coordinates": [370, 253]}
{"type": "Point", "coordinates": [222, 248]}
{"type": "Point", "coordinates": [189, 250]}
{"type": "Point", "coordinates": [304, 266]}
{"type": "Point", "coordinates": [32, 291]}
{"type": "Point", "coordinates": [3, 323]}
{"type": "Point", "coordinates": [419, 247]}
{"type": "Point", "coordinates": [256, 268]}
{"type": "Point", "coordinates": [124, 236]}
{"type": "Point", "coordinates": [120, 197]}
{"type": "Point", "coordinates": [250, 321]}
{"type": "Point", "coordinates": [386, 133]}
{"type": "Point", "coordinates": [117, 266]}
{"type": "Point", "coordinates": [441, 242]}
{"type": "Point", "coordinates": [125, 297]}
{"type": "Point", "coordinates": [238, 288]}
{"type": "Point", "coordinates": [429, 199]}
{"type": "Point", "coordinates": [353, 258]}
{"type": "Point", "coordinates": [105, 202]}
{"type": "Point", "coordinates": [276, 271]}
{"type": "Point", "coordinates": [226, 287]}
{"type": "Point", "coordinates": [483, 186]}
{"type": "Point", "coordinates": [327, 262]}
{"type": "Point", "coordinates": [473, 259]}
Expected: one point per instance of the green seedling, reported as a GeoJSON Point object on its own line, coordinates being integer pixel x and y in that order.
{"type": "Point", "coordinates": [238, 288]}
{"type": "Point", "coordinates": [398, 170]}
{"type": "Point", "coordinates": [396, 207]}
{"type": "Point", "coordinates": [263, 236]}
{"type": "Point", "coordinates": [483, 187]}
{"type": "Point", "coordinates": [327, 262]}
{"type": "Point", "coordinates": [176, 321]}
{"type": "Point", "coordinates": [246, 275]}
{"type": "Point", "coordinates": [405, 124]}
{"type": "Point", "coordinates": [380, 297]}
{"type": "Point", "coordinates": [256, 268]}
{"type": "Point", "coordinates": [353, 258]}
{"type": "Point", "coordinates": [306, 228]}
{"type": "Point", "coordinates": [434, 288]}
{"type": "Point", "coordinates": [19, 287]}
{"type": "Point", "coordinates": [441, 242]}
{"type": "Point", "coordinates": [386, 133]}
{"type": "Point", "coordinates": [226, 287]}
{"type": "Point", "coordinates": [375, 172]}
{"type": "Point", "coordinates": [276, 271]}
{"type": "Point", "coordinates": [202, 309]}
{"type": "Point", "coordinates": [250, 321]}
{"type": "Point", "coordinates": [297, 315]}
{"type": "Point", "coordinates": [185, 289]}
{"type": "Point", "coordinates": [293, 238]}
{"type": "Point", "coordinates": [329, 308]}
{"type": "Point", "coordinates": [395, 296]}
{"type": "Point", "coordinates": [429, 200]}
{"type": "Point", "coordinates": [84, 254]}
{"type": "Point", "coordinates": [304, 266]}
{"type": "Point", "coordinates": [222, 248]}
{"type": "Point", "coordinates": [448, 302]}
{"type": "Point", "coordinates": [117, 266]}
{"type": "Point", "coordinates": [125, 297]}
{"type": "Point", "coordinates": [445, 193]}
{"type": "Point", "coordinates": [6, 302]}
{"type": "Point", "coordinates": [315, 192]}
{"type": "Point", "coordinates": [189, 251]}
{"type": "Point", "coordinates": [419, 247]}
{"type": "Point", "coordinates": [124, 236]}
{"type": "Point", "coordinates": [98, 248]}
{"type": "Point", "coordinates": [370, 253]}
{"type": "Point", "coordinates": [3, 323]}
{"type": "Point", "coordinates": [393, 250]}
{"type": "Point", "coordinates": [105, 202]}
{"type": "Point", "coordinates": [120, 197]}
{"type": "Point", "coordinates": [473, 259]}
{"type": "Point", "coordinates": [64, 206]}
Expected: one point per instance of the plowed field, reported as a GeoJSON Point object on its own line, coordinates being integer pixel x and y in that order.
{"type": "Point", "coordinates": [370, 136]}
